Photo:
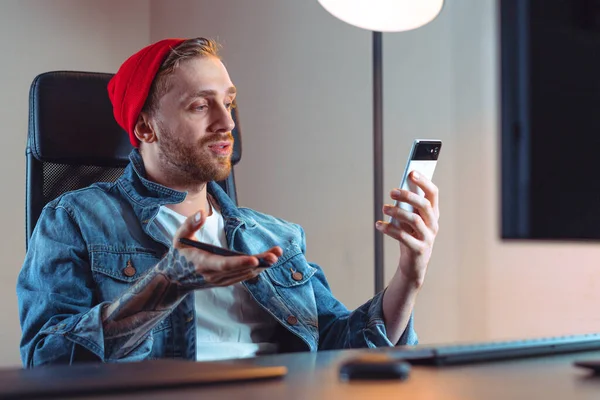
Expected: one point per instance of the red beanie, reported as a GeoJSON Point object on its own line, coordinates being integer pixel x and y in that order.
{"type": "Point", "coordinates": [129, 88]}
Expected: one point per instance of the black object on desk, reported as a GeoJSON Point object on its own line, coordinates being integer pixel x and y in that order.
{"type": "Point", "coordinates": [64, 380]}
{"type": "Point", "coordinates": [492, 351]}
{"type": "Point", "coordinates": [593, 365]}
{"type": "Point", "coordinates": [374, 366]}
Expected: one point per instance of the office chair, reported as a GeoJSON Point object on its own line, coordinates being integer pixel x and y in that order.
{"type": "Point", "coordinates": [74, 140]}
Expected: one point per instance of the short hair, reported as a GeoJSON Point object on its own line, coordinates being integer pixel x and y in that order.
{"type": "Point", "coordinates": [189, 49]}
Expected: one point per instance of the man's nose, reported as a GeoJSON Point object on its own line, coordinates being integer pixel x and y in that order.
{"type": "Point", "coordinates": [224, 121]}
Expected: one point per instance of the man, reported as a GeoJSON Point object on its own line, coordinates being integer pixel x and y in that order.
{"type": "Point", "coordinates": [106, 277]}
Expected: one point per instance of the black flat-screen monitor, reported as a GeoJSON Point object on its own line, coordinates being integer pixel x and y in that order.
{"type": "Point", "coordinates": [550, 91]}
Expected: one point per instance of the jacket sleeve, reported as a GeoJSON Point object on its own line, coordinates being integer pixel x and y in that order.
{"type": "Point", "coordinates": [340, 328]}
{"type": "Point", "coordinates": [60, 320]}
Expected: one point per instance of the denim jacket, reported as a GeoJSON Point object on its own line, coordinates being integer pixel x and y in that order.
{"type": "Point", "coordinates": [91, 245]}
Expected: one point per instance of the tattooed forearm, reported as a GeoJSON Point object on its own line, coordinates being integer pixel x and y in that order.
{"type": "Point", "coordinates": [149, 300]}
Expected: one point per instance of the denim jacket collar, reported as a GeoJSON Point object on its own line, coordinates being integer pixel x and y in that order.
{"type": "Point", "coordinates": [151, 195]}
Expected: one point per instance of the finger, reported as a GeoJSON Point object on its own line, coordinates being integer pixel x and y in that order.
{"type": "Point", "coordinates": [189, 227]}
{"type": "Point", "coordinates": [416, 245]}
{"type": "Point", "coordinates": [420, 204]}
{"type": "Point", "coordinates": [271, 256]}
{"type": "Point", "coordinates": [415, 224]}
{"type": "Point", "coordinates": [278, 251]}
{"type": "Point", "coordinates": [431, 191]}
{"type": "Point", "coordinates": [240, 277]}
{"type": "Point", "coordinates": [227, 265]}
{"type": "Point", "coordinates": [234, 263]}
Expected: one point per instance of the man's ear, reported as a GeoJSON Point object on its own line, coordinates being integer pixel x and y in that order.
{"type": "Point", "coordinates": [144, 129]}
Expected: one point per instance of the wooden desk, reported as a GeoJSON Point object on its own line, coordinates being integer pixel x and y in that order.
{"type": "Point", "coordinates": [315, 376]}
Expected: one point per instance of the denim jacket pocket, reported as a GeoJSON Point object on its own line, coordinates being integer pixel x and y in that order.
{"type": "Point", "coordinates": [291, 269]}
{"type": "Point", "coordinates": [291, 279]}
{"type": "Point", "coordinates": [115, 271]}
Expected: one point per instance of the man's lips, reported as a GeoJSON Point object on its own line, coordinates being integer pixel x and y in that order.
{"type": "Point", "coordinates": [221, 148]}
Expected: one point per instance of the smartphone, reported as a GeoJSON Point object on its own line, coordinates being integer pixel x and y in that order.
{"type": "Point", "coordinates": [219, 250]}
{"type": "Point", "coordinates": [422, 158]}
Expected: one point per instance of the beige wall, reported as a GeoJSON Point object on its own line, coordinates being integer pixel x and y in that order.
{"type": "Point", "coordinates": [305, 109]}
{"type": "Point", "coordinates": [38, 36]}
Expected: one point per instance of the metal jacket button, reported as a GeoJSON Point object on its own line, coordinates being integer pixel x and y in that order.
{"type": "Point", "coordinates": [297, 276]}
{"type": "Point", "coordinates": [292, 320]}
{"type": "Point", "coordinates": [129, 270]}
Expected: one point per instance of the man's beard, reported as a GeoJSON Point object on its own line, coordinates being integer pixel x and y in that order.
{"type": "Point", "coordinates": [186, 164]}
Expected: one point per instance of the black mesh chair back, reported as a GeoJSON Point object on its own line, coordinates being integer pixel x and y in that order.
{"type": "Point", "coordinates": [74, 140]}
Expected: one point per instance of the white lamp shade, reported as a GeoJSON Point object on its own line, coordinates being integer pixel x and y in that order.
{"type": "Point", "coordinates": [384, 15]}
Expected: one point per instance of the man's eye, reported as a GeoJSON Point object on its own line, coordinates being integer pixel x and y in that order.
{"type": "Point", "coordinates": [201, 107]}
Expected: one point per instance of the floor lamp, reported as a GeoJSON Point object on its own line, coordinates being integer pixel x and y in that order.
{"type": "Point", "coordinates": [381, 16]}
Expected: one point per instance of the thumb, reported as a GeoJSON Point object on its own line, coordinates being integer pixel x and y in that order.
{"type": "Point", "coordinates": [189, 227]}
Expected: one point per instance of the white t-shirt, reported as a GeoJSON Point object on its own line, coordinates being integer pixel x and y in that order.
{"type": "Point", "coordinates": [229, 322]}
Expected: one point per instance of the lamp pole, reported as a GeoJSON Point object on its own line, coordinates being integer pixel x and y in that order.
{"type": "Point", "coordinates": [378, 157]}
{"type": "Point", "coordinates": [381, 16]}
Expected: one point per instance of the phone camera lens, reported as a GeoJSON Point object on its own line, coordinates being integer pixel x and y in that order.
{"type": "Point", "coordinates": [435, 150]}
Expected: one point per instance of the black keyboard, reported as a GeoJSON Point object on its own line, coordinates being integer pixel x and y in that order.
{"type": "Point", "coordinates": [492, 351]}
